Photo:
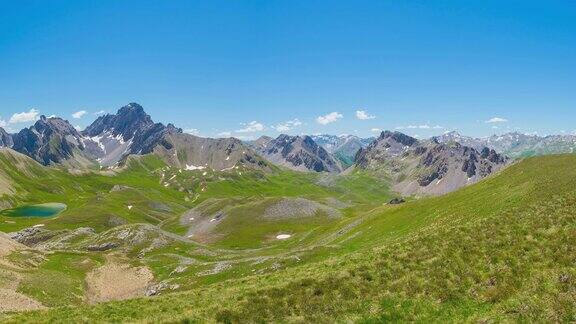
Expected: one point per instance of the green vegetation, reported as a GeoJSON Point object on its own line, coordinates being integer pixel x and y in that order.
{"type": "Point", "coordinates": [499, 250]}
{"type": "Point", "coordinates": [59, 281]}
{"type": "Point", "coordinates": [345, 159]}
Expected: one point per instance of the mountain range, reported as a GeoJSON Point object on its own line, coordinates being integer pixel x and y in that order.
{"type": "Point", "coordinates": [110, 139]}
{"type": "Point", "coordinates": [427, 167]}
{"type": "Point", "coordinates": [435, 166]}
{"type": "Point", "coordinates": [299, 153]}
{"type": "Point", "coordinates": [278, 229]}
{"type": "Point", "coordinates": [516, 145]}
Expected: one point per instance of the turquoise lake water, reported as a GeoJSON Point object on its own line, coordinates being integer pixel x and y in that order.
{"type": "Point", "coordinates": [40, 210]}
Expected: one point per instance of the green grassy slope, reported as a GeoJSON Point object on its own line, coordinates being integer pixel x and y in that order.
{"type": "Point", "coordinates": [148, 182]}
{"type": "Point", "coordinates": [159, 195]}
{"type": "Point", "coordinates": [88, 196]}
{"type": "Point", "coordinates": [500, 250]}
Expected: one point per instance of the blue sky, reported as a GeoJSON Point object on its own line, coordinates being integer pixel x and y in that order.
{"type": "Point", "coordinates": [247, 68]}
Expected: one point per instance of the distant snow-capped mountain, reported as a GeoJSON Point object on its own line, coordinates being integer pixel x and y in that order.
{"type": "Point", "coordinates": [516, 145]}
{"type": "Point", "coordinates": [111, 138]}
{"type": "Point", "coordinates": [343, 147]}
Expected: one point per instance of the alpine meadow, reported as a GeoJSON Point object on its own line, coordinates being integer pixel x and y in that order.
{"type": "Point", "coordinates": [287, 162]}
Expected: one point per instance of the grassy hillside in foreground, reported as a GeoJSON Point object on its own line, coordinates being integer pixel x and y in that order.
{"type": "Point", "coordinates": [500, 250]}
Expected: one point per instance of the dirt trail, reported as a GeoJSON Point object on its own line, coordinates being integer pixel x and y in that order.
{"type": "Point", "coordinates": [116, 281]}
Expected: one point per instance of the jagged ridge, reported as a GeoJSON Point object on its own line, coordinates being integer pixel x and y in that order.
{"type": "Point", "coordinates": [427, 167]}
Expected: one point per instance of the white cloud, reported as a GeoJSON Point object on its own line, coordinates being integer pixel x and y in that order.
{"type": "Point", "coordinates": [192, 131]}
{"type": "Point", "coordinates": [24, 117]}
{"type": "Point", "coordinates": [329, 118]}
{"type": "Point", "coordinates": [496, 120]}
{"type": "Point", "coordinates": [376, 130]}
{"type": "Point", "coordinates": [423, 126]}
{"type": "Point", "coordinates": [100, 112]}
{"type": "Point", "coordinates": [3, 123]}
{"type": "Point", "coordinates": [78, 128]}
{"type": "Point", "coordinates": [245, 137]}
{"type": "Point", "coordinates": [224, 134]}
{"type": "Point", "coordinates": [51, 116]}
{"type": "Point", "coordinates": [79, 114]}
{"type": "Point", "coordinates": [363, 115]}
{"type": "Point", "coordinates": [288, 125]}
{"type": "Point", "coordinates": [251, 127]}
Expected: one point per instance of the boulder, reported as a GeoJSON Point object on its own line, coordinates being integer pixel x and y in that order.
{"type": "Point", "coordinates": [102, 247]}
{"type": "Point", "coordinates": [396, 201]}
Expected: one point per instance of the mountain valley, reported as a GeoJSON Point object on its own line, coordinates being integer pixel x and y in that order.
{"type": "Point", "coordinates": [129, 217]}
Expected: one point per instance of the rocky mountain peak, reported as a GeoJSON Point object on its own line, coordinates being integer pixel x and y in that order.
{"type": "Point", "coordinates": [398, 137]}
{"type": "Point", "coordinates": [429, 167]}
{"type": "Point", "coordinates": [112, 138]}
{"type": "Point", "coordinates": [297, 152]}
{"type": "Point", "coordinates": [173, 129]}
{"type": "Point", "coordinates": [56, 125]}
{"type": "Point", "coordinates": [309, 142]}
{"type": "Point", "coordinates": [49, 140]}
{"type": "Point", "coordinates": [130, 131]}
{"type": "Point", "coordinates": [128, 121]}
{"type": "Point", "coordinates": [133, 110]}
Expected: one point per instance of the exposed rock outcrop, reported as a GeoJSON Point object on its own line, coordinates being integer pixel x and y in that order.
{"type": "Point", "coordinates": [427, 167]}
{"type": "Point", "coordinates": [5, 139]}
{"type": "Point", "coordinates": [299, 153]}
{"type": "Point", "coordinates": [49, 141]}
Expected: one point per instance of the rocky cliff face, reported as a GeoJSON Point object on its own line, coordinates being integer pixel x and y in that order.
{"type": "Point", "coordinates": [298, 153]}
{"type": "Point", "coordinates": [49, 141]}
{"type": "Point", "coordinates": [427, 167]}
{"type": "Point", "coordinates": [5, 139]}
{"type": "Point", "coordinates": [385, 149]}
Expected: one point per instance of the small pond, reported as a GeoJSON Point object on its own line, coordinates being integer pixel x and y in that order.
{"type": "Point", "coordinates": [40, 210]}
